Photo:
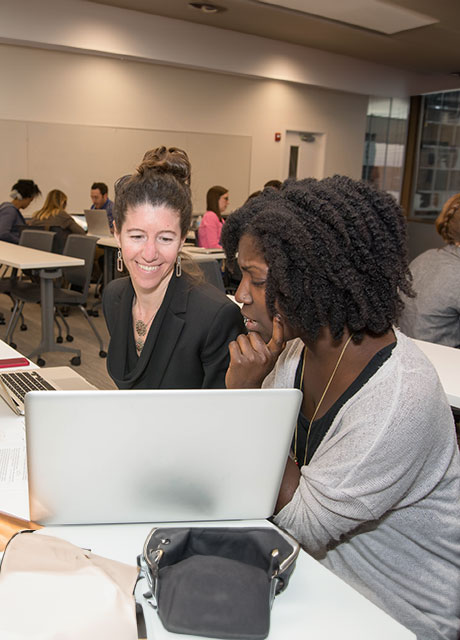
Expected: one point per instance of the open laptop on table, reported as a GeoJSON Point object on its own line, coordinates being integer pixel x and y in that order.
{"type": "Point", "coordinates": [97, 222]}
{"type": "Point", "coordinates": [16, 383]}
{"type": "Point", "coordinates": [157, 456]}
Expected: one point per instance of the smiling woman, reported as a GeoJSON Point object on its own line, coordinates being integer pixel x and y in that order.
{"type": "Point", "coordinates": [168, 328]}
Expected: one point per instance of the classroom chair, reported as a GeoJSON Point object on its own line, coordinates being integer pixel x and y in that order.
{"type": "Point", "coordinates": [34, 239]}
{"type": "Point", "coordinates": [77, 279]}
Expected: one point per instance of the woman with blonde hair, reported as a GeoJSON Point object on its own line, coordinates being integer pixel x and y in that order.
{"type": "Point", "coordinates": [434, 314]}
{"type": "Point", "coordinates": [53, 214]}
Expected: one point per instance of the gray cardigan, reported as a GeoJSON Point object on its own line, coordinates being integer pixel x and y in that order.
{"type": "Point", "coordinates": [434, 315]}
{"type": "Point", "coordinates": [379, 503]}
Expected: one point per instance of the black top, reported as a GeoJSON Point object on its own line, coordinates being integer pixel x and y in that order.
{"type": "Point", "coordinates": [187, 344]}
{"type": "Point", "coordinates": [321, 426]}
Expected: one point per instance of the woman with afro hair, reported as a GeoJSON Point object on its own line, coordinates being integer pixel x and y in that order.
{"type": "Point", "coordinates": [371, 488]}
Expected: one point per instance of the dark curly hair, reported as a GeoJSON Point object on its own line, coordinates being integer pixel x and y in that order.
{"type": "Point", "coordinates": [336, 254]}
{"type": "Point", "coordinates": [162, 179]}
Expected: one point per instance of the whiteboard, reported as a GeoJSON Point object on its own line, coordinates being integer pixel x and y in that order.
{"type": "Point", "coordinates": [72, 157]}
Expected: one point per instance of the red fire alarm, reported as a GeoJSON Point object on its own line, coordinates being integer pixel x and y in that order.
{"type": "Point", "coordinates": [277, 137]}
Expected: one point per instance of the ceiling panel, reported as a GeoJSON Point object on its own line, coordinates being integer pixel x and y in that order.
{"type": "Point", "coordinates": [426, 49]}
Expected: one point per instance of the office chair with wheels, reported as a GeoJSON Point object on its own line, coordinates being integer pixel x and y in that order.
{"type": "Point", "coordinates": [78, 280]}
{"type": "Point", "coordinates": [33, 239]}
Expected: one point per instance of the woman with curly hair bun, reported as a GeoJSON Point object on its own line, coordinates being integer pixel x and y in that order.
{"type": "Point", "coordinates": [371, 488]}
{"type": "Point", "coordinates": [434, 314]}
{"type": "Point", "coordinates": [168, 328]}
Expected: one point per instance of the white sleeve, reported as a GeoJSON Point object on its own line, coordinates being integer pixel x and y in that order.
{"type": "Point", "coordinates": [373, 459]}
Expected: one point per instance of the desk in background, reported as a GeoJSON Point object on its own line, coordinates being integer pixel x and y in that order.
{"type": "Point", "coordinates": [49, 266]}
{"type": "Point", "coordinates": [446, 361]}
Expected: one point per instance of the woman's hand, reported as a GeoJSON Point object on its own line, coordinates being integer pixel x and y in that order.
{"type": "Point", "coordinates": [251, 360]}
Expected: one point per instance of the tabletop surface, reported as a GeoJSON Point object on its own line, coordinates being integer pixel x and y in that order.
{"type": "Point", "coordinates": [107, 241]}
{"type": "Point", "coordinates": [317, 604]}
{"type": "Point", "coordinates": [19, 257]}
{"type": "Point", "coordinates": [446, 361]}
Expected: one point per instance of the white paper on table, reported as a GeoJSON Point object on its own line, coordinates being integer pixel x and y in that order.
{"type": "Point", "coordinates": [13, 469]}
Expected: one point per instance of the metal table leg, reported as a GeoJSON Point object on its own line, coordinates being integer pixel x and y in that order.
{"type": "Point", "coordinates": [47, 342]}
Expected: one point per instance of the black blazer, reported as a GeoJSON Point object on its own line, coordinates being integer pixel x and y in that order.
{"type": "Point", "coordinates": [187, 344]}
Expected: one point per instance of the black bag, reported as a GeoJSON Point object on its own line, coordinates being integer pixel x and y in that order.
{"type": "Point", "coordinates": [217, 582]}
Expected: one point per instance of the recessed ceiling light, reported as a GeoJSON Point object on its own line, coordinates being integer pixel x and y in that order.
{"type": "Point", "coordinates": [206, 7]}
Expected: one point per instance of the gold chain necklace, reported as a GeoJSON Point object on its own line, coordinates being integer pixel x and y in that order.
{"type": "Point", "coordinates": [320, 400]}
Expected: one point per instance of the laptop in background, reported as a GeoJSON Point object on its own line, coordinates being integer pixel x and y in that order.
{"type": "Point", "coordinates": [157, 455]}
{"type": "Point", "coordinates": [80, 219]}
{"type": "Point", "coordinates": [97, 222]}
{"type": "Point", "coordinates": [14, 384]}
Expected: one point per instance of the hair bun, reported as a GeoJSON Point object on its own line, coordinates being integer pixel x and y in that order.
{"type": "Point", "coordinates": [162, 160]}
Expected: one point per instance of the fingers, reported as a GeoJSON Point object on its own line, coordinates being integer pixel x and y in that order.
{"type": "Point", "coordinates": [277, 342]}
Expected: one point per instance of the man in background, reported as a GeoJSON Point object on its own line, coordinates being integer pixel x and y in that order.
{"type": "Point", "coordinates": [100, 197]}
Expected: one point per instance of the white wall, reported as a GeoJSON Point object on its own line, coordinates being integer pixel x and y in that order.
{"type": "Point", "coordinates": [67, 88]}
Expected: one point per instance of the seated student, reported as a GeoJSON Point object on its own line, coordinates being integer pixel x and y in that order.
{"type": "Point", "coordinates": [211, 225]}
{"type": "Point", "coordinates": [54, 216]}
{"type": "Point", "coordinates": [168, 329]}
{"type": "Point", "coordinates": [276, 184]}
{"type": "Point", "coordinates": [434, 314]}
{"type": "Point", "coordinates": [373, 482]}
{"type": "Point", "coordinates": [11, 218]}
{"type": "Point", "coordinates": [100, 198]}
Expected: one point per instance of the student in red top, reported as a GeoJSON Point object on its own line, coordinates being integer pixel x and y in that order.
{"type": "Point", "coordinates": [212, 222]}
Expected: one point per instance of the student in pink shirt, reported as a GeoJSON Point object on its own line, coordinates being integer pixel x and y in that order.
{"type": "Point", "coordinates": [212, 222]}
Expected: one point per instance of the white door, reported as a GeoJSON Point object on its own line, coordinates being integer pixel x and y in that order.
{"type": "Point", "coordinates": [304, 157]}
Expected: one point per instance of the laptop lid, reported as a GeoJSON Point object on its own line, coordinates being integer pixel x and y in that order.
{"type": "Point", "coordinates": [157, 456]}
{"type": "Point", "coordinates": [97, 222]}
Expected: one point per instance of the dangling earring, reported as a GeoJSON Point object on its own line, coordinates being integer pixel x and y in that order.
{"type": "Point", "coordinates": [178, 267]}
{"type": "Point", "coordinates": [120, 265]}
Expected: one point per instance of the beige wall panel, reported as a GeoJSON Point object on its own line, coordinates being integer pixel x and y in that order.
{"type": "Point", "coordinates": [84, 90]}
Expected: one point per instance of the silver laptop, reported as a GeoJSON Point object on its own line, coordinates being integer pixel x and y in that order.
{"type": "Point", "coordinates": [98, 224]}
{"type": "Point", "coordinates": [157, 456]}
{"type": "Point", "coordinates": [16, 383]}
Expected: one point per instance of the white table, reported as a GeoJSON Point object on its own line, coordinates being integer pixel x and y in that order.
{"type": "Point", "coordinates": [200, 254]}
{"type": "Point", "coordinates": [316, 604]}
{"type": "Point", "coordinates": [49, 265]}
{"type": "Point", "coordinates": [446, 361]}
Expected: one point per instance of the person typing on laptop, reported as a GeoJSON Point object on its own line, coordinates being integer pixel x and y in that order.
{"type": "Point", "coordinates": [168, 328]}
{"type": "Point", "coordinates": [100, 199]}
{"type": "Point", "coordinates": [372, 484]}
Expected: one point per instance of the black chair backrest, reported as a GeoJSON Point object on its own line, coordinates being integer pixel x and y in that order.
{"type": "Point", "coordinates": [37, 239]}
{"type": "Point", "coordinates": [60, 238]}
{"type": "Point", "coordinates": [60, 235]}
{"type": "Point", "coordinates": [212, 273]}
{"type": "Point", "coordinates": [79, 246]}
